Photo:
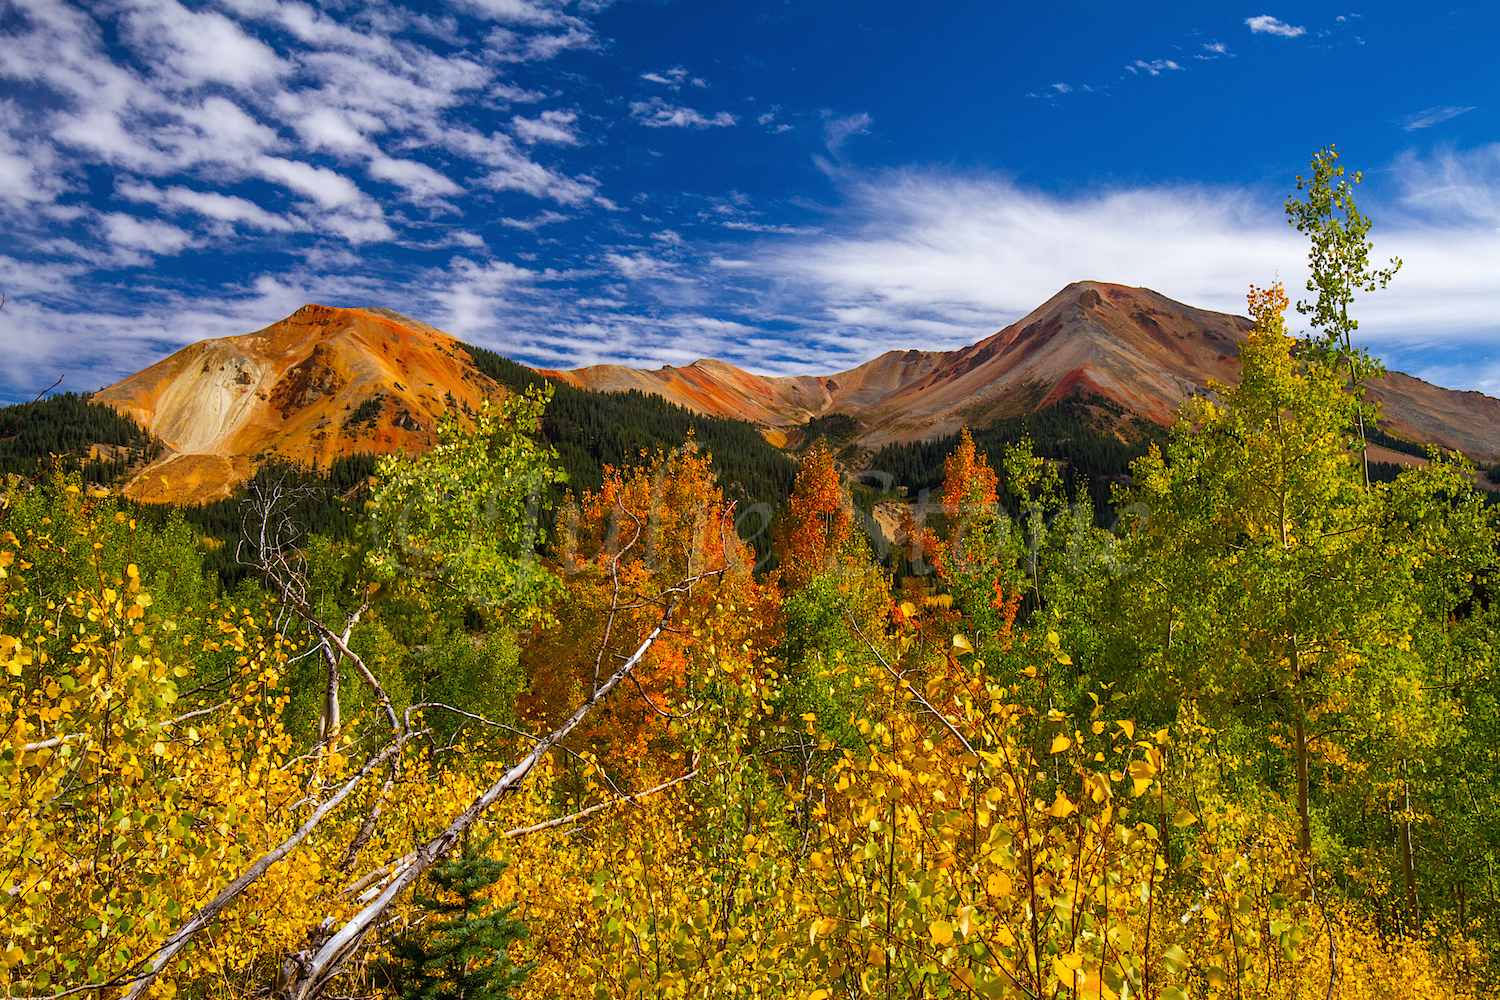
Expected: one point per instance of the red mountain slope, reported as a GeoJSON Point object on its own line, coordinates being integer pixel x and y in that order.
{"type": "Point", "coordinates": [295, 388]}
{"type": "Point", "coordinates": [1139, 348]}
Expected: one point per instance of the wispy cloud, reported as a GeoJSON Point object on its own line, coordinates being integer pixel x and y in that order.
{"type": "Point", "coordinates": [1155, 67]}
{"type": "Point", "coordinates": [1459, 187]}
{"type": "Point", "coordinates": [1265, 24]}
{"type": "Point", "coordinates": [667, 78]}
{"type": "Point", "coordinates": [657, 113]}
{"type": "Point", "coordinates": [674, 78]}
{"type": "Point", "coordinates": [341, 113]}
{"type": "Point", "coordinates": [555, 127]}
{"type": "Point", "coordinates": [902, 258]}
{"type": "Point", "coordinates": [1431, 117]}
{"type": "Point", "coordinates": [837, 129]}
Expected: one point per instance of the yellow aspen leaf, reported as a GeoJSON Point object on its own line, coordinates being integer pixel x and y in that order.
{"type": "Point", "coordinates": [1127, 727]}
{"type": "Point", "coordinates": [876, 955]}
{"type": "Point", "coordinates": [1141, 774]}
{"type": "Point", "coordinates": [1160, 736]}
{"type": "Point", "coordinates": [962, 644]}
{"type": "Point", "coordinates": [1184, 818]}
{"type": "Point", "coordinates": [1061, 806]}
{"type": "Point", "coordinates": [998, 884]}
{"type": "Point", "coordinates": [1060, 743]}
{"type": "Point", "coordinates": [908, 608]}
{"type": "Point", "coordinates": [965, 917]}
{"type": "Point", "coordinates": [942, 933]}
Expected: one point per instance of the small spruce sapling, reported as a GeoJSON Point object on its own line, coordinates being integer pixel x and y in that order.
{"type": "Point", "coordinates": [464, 955]}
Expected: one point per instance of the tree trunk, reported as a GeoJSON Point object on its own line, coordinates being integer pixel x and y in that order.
{"type": "Point", "coordinates": [1408, 868]}
{"type": "Point", "coordinates": [1304, 819]}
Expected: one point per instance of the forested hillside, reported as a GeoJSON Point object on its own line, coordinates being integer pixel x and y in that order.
{"type": "Point", "coordinates": [1093, 438]}
{"type": "Point", "coordinates": [67, 425]}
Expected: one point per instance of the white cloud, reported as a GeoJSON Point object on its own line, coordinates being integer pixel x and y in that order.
{"type": "Point", "coordinates": [330, 129]}
{"type": "Point", "coordinates": [1431, 117]}
{"type": "Point", "coordinates": [667, 78]}
{"type": "Point", "coordinates": [1265, 24]}
{"type": "Point", "coordinates": [197, 47]}
{"type": "Point", "coordinates": [1218, 48]}
{"type": "Point", "coordinates": [924, 258]}
{"type": "Point", "coordinates": [132, 233]}
{"type": "Point", "coordinates": [837, 130]}
{"type": "Point", "coordinates": [1458, 188]}
{"type": "Point", "coordinates": [510, 46]}
{"type": "Point", "coordinates": [554, 127]}
{"type": "Point", "coordinates": [418, 179]}
{"type": "Point", "coordinates": [657, 113]}
{"type": "Point", "coordinates": [509, 93]}
{"type": "Point", "coordinates": [1155, 67]}
{"type": "Point", "coordinates": [1062, 88]}
{"type": "Point", "coordinates": [328, 188]}
{"type": "Point", "coordinates": [513, 170]}
{"type": "Point", "coordinates": [532, 224]}
{"type": "Point", "coordinates": [637, 266]}
{"type": "Point", "coordinates": [209, 204]}
{"type": "Point", "coordinates": [525, 12]}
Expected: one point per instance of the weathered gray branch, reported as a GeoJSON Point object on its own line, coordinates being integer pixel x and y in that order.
{"type": "Point", "coordinates": [329, 959]}
{"type": "Point", "coordinates": [211, 909]}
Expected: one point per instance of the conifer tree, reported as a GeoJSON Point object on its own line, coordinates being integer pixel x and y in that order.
{"type": "Point", "coordinates": [464, 956]}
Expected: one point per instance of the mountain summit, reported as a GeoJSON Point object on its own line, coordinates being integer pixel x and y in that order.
{"type": "Point", "coordinates": [327, 381]}
{"type": "Point", "coordinates": [1138, 348]}
{"type": "Point", "coordinates": [321, 383]}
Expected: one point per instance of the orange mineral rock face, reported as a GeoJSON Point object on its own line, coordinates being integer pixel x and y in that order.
{"type": "Point", "coordinates": [321, 383]}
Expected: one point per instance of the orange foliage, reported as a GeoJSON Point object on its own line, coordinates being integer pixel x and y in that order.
{"type": "Point", "coordinates": [970, 498]}
{"type": "Point", "coordinates": [967, 476]}
{"type": "Point", "coordinates": [645, 530]}
{"type": "Point", "coordinates": [816, 521]}
{"type": "Point", "coordinates": [1267, 306]}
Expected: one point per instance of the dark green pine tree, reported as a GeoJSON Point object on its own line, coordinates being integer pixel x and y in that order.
{"type": "Point", "coordinates": [464, 954]}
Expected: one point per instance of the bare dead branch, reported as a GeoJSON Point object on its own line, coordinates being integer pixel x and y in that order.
{"type": "Point", "coordinates": [630, 799]}
{"type": "Point", "coordinates": [316, 971]}
{"type": "Point", "coordinates": [901, 679]}
{"type": "Point", "coordinates": [210, 910]}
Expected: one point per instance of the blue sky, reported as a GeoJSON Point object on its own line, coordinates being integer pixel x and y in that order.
{"type": "Point", "coordinates": [788, 186]}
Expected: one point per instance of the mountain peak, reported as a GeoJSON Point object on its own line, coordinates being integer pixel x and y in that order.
{"type": "Point", "coordinates": [322, 382]}
{"type": "Point", "coordinates": [327, 381]}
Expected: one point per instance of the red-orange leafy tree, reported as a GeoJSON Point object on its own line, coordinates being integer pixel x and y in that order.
{"type": "Point", "coordinates": [642, 530]}
{"type": "Point", "coordinates": [816, 522]}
